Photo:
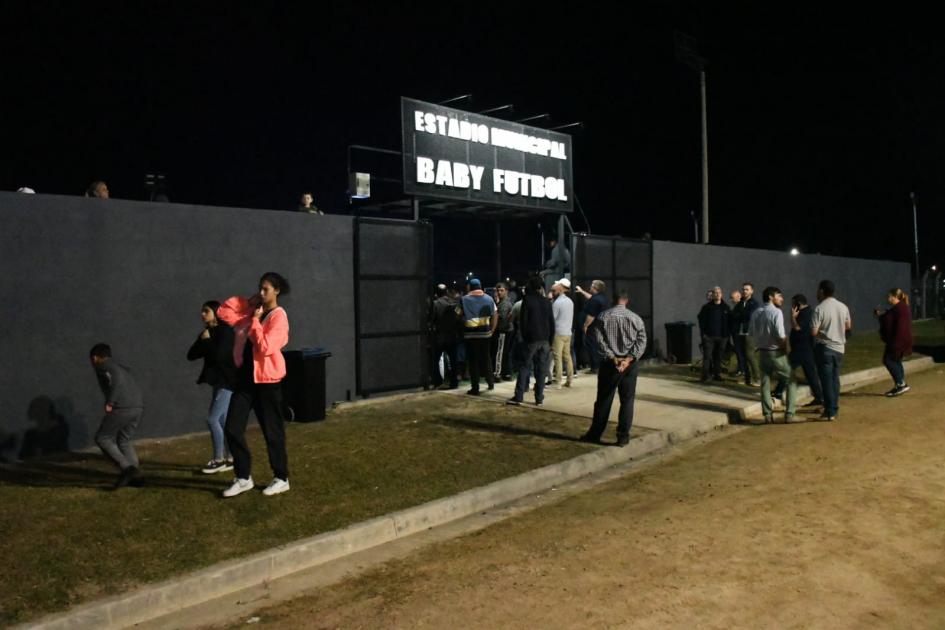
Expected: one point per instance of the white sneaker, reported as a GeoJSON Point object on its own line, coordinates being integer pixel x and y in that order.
{"type": "Point", "coordinates": [276, 486]}
{"type": "Point", "coordinates": [239, 487]}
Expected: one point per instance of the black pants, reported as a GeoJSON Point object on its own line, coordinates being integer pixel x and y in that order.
{"type": "Point", "coordinates": [712, 355]}
{"type": "Point", "coordinates": [450, 365]}
{"type": "Point", "coordinates": [477, 355]}
{"type": "Point", "coordinates": [804, 358]}
{"type": "Point", "coordinates": [266, 400]}
{"type": "Point", "coordinates": [504, 370]}
{"type": "Point", "coordinates": [610, 382]}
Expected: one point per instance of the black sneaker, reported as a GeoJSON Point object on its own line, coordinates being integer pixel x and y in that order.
{"type": "Point", "coordinates": [898, 390]}
{"type": "Point", "coordinates": [623, 440]}
{"type": "Point", "coordinates": [539, 403]}
{"type": "Point", "coordinates": [473, 392]}
{"type": "Point", "coordinates": [512, 401]}
{"type": "Point", "coordinates": [215, 466]}
{"type": "Point", "coordinates": [126, 476]}
{"type": "Point", "coordinates": [587, 439]}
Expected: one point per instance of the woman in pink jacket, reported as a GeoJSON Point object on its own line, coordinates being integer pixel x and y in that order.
{"type": "Point", "coordinates": [261, 330]}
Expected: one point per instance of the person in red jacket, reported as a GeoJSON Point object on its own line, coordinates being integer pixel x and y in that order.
{"type": "Point", "coordinates": [895, 329]}
{"type": "Point", "coordinates": [261, 330]}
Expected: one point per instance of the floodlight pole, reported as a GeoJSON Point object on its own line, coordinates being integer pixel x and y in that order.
{"type": "Point", "coordinates": [915, 231]}
{"type": "Point", "coordinates": [705, 161]}
{"type": "Point", "coordinates": [687, 53]}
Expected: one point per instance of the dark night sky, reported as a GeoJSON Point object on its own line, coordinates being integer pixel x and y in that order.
{"type": "Point", "coordinates": [819, 124]}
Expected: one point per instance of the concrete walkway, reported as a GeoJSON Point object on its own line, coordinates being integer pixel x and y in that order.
{"type": "Point", "coordinates": [661, 404]}
{"type": "Point", "coordinates": [667, 412]}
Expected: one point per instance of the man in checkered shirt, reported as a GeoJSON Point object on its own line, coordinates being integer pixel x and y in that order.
{"type": "Point", "coordinates": [621, 342]}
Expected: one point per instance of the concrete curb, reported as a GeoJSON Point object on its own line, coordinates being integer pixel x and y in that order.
{"type": "Point", "coordinates": [156, 600]}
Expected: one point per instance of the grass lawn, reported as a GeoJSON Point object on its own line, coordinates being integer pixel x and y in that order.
{"type": "Point", "coordinates": [67, 540]}
{"type": "Point", "coordinates": [864, 350]}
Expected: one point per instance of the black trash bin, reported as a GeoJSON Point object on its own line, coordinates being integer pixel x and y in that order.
{"type": "Point", "coordinates": [303, 388]}
{"type": "Point", "coordinates": [679, 342]}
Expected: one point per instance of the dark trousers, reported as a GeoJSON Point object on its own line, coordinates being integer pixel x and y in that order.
{"type": "Point", "coordinates": [477, 355]}
{"type": "Point", "coordinates": [266, 400]}
{"type": "Point", "coordinates": [610, 382]}
{"type": "Point", "coordinates": [712, 355]}
{"type": "Point", "coordinates": [591, 346]}
{"type": "Point", "coordinates": [115, 436]}
{"type": "Point", "coordinates": [746, 346]}
{"type": "Point", "coordinates": [893, 363]}
{"type": "Point", "coordinates": [739, 354]}
{"type": "Point", "coordinates": [450, 365]}
{"type": "Point", "coordinates": [804, 358]}
{"type": "Point", "coordinates": [534, 357]}
{"type": "Point", "coordinates": [494, 352]}
{"type": "Point", "coordinates": [828, 367]}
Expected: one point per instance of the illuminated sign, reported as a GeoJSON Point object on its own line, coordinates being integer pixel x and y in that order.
{"type": "Point", "coordinates": [455, 155]}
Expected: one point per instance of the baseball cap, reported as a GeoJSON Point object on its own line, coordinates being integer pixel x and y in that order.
{"type": "Point", "coordinates": [474, 283]}
{"type": "Point", "coordinates": [564, 282]}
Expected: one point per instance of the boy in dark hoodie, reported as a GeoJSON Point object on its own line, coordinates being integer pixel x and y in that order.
{"type": "Point", "coordinates": [124, 405]}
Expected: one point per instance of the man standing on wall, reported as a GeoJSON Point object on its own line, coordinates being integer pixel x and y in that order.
{"type": "Point", "coordinates": [621, 340]}
{"type": "Point", "coordinates": [766, 329]}
{"type": "Point", "coordinates": [741, 317]}
{"type": "Point", "coordinates": [480, 319]}
{"type": "Point", "coordinates": [595, 305]}
{"type": "Point", "coordinates": [830, 326]}
{"type": "Point", "coordinates": [558, 263]}
{"type": "Point", "coordinates": [713, 327]}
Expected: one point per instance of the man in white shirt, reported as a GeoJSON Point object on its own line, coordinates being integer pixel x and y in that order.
{"type": "Point", "coordinates": [830, 326]}
{"type": "Point", "coordinates": [766, 329]}
{"type": "Point", "coordinates": [563, 310]}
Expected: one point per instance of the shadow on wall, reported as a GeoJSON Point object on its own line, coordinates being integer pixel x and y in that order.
{"type": "Point", "coordinates": [54, 423]}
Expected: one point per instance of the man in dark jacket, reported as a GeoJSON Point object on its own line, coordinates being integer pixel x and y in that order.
{"type": "Point", "coordinates": [124, 405]}
{"type": "Point", "coordinates": [537, 332]}
{"type": "Point", "coordinates": [444, 326]}
{"type": "Point", "coordinates": [713, 327]}
{"type": "Point", "coordinates": [741, 317]}
{"type": "Point", "coordinates": [802, 349]}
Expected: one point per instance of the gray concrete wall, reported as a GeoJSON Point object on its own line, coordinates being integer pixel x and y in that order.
{"type": "Point", "coordinates": [683, 272]}
{"type": "Point", "coordinates": [76, 271]}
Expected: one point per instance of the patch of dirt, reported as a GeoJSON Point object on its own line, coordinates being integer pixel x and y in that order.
{"type": "Point", "coordinates": [835, 525]}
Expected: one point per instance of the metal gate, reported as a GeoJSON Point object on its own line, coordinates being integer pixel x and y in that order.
{"type": "Point", "coordinates": [623, 264]}
{"type": "Point", "coordinates": [392, 278]}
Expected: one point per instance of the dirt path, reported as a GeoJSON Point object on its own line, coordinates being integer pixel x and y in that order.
{"type": "Point", "coordinates": [837, 525]}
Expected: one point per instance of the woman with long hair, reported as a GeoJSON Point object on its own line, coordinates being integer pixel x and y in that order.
{"type": "Point", "coordinates": [261, 329]}
{"type": "Point", "coordinates": [215, 346]}
{"type": "Point", "coordinates": [895, 329]}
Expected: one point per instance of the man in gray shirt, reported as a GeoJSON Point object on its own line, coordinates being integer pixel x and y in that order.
{"type": "Point", "coordinates": [766, 329]}
{"type": "Point", "coordinates": [563, 310]}
{"type": "Point", "coordinates": [621, 341]}
{"type": "Point", "coordinates": [124, 405]}
{"type": "Point", "coordinates": [830, 326]}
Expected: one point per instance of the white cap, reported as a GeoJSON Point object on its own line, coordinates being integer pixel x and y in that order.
{"type": "Point", "coordinates": [564, 282]}
{"type": "Point", "coordinates": [26, 190]}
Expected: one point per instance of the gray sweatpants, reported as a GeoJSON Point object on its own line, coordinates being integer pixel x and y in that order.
{"type": "Point", "coordinates": [115, 436]}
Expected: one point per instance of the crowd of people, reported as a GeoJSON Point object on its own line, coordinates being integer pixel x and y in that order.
{"type": "Point", "coordinates": [503, 335]}
{"type": "Point", "coordinates": [755, 334]}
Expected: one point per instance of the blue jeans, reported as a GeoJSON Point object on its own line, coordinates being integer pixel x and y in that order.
{"type": "Point", "coordinates": [894, 365]}
{"type": "Point", "coordinates": [216, 420]}
{"type": "Point", "coordinates": [828, 367]}
{"type": "Point", "coordinates": [535, 355]}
